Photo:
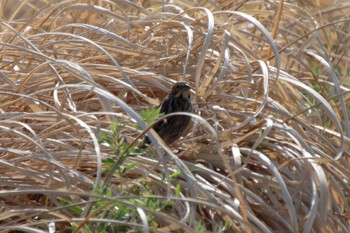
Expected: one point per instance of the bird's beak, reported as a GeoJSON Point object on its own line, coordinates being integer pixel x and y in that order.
{"type": "Point", "coordinates": [185, 88]}
{"type": "Point", "coordinates": [185, 92]}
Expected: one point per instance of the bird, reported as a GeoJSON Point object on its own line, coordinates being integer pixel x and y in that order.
{"type": "Point", "coordinates": [172, 128]}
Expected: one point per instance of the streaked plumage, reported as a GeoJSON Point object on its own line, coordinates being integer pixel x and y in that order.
{"type": "Point", "coordinates": [178, 100]}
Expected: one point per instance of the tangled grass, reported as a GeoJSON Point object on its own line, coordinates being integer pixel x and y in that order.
{"type": "Point", "coordinates": [268, 150]}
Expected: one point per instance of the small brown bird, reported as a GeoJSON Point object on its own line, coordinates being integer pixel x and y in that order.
{"type": "Point", "coordinates": [178, 100]}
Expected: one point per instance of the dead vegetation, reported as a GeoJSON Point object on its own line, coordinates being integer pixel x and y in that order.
{"type": "Point", "coordinates": [268, 150]}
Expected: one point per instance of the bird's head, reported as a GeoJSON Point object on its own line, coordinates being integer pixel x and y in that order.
{"type": "Point", "coordinates": [181, 89]}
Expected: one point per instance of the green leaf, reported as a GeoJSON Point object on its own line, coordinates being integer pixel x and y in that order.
{"type": "Point", "coordinates": [129, 167]}
{"type": "Point", "coordinates": [75, 209]}
{"type": "Point", "coordinates": [150, 115]}
{"type": "Point", "coordinates": [178, 190]}
{"type": "Point", "coordinates": [175, 174]}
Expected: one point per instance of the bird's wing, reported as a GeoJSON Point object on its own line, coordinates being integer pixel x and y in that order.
{"type": "Point", "coordinates": [166, 106]}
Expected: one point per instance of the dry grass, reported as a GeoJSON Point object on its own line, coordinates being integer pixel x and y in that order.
{"type": "Point", "coordinates": [269, 147]}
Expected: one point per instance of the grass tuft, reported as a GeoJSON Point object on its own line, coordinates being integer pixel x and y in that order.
{"type": "Point", "coordinates": [268, 148]}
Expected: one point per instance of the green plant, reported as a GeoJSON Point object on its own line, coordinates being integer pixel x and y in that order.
{"type": "Point", "coordinates": [117, 164]}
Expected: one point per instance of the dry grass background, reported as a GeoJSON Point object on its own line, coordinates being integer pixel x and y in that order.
{"type": "Point", "coordinates": [267, 152]}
